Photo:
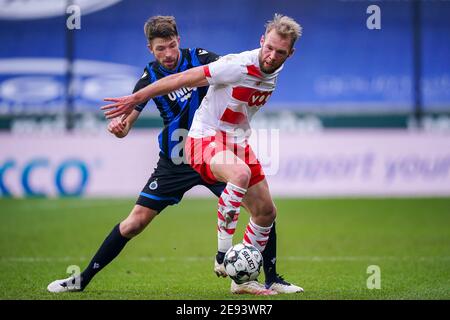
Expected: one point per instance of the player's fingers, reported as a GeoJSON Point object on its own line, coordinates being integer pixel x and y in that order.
{"type": "Point", "coordinates": [120, 126]}
{"type": "Point", "coordinates": [124, 117]}
{"type": "Point", "coordinates": [111, 125]}
{"type": "Point", "coordinates": [114, 113]}
{"type": "Point", "coordinates": [110, 116]}
{"type": "Point", "coordinates": [112, 99]}
{"type": "Point", "coordinates": [110, 106]}
{"type": "Point", "coordinates": [113, 129]}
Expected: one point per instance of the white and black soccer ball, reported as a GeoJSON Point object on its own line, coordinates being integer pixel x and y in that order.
{"type": "Point", "coordinates": [243, 262]}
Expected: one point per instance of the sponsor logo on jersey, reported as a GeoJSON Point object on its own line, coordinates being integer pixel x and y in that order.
{"type": "Point", "coordinates": [253, 97]}
{"type": "Point", "coordinates": [183, 94]}
{"type": "Point", "coordinates": [259, 98]}
{"type": "Point", "coordinates": [202, 52]}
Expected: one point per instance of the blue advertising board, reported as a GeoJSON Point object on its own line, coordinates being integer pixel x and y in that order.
{"type": "Point", "coordinates": [339, 64]}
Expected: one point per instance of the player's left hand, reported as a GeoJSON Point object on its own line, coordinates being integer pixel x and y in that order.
{"type": "Point", "coordinates": [117, 127]}
{"type": "Point", "coordinates": [121, 106]}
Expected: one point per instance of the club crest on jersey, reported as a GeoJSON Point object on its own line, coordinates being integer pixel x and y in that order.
{"type": "Point", "coordinates": [153, 185]}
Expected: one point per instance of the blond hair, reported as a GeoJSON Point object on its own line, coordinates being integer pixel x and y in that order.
{"type": "Point", "coordinates": [285, 26]}
{"type": "Point", "coordinates": [160, 27]}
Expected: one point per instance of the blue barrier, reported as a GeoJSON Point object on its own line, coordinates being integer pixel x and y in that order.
{"type": "Point", "coordinates": [339, 64]}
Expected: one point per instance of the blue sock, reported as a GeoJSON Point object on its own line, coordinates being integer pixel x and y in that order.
{"type": "Point", "coordinates": [109, 249]}
{"type": "Point", "coordinates": [220, 256]}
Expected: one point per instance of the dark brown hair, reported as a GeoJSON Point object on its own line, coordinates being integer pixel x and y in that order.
{"type": "Point", "coordinates": [160, 27]}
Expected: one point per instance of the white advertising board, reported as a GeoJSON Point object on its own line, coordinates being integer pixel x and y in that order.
{"type": "Point", "coordinates": [332, 163]}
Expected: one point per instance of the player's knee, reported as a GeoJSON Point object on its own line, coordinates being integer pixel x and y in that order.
{"type": "Point", "coordinates": [242, 175]}
{"type": "Point", "coordinates": [136, 222]}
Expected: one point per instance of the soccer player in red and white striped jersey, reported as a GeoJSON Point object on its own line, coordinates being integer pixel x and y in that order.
{"type": "Point", "coordinates": [217, 146]}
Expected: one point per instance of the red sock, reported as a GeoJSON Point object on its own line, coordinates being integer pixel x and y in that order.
{"type": "Point", "coordinates": [228, 214]}
{"type": "Point", "coordinates": [257, 235]}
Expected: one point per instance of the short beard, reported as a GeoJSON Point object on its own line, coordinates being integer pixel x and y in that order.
{"type": "Point", "coordinates": [265, 70]}
{"type": "Point", "coordinates": [261, 66]}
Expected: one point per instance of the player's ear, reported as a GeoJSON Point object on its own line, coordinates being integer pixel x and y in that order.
{"type": "Point", "coordinates": [261, 41]}
{"type": "Point", "coordinates": [292, 52]}
{"type": "Point", "coordinates": [149, 46]}
{"type": "Point", "coordinates": [178, 40]}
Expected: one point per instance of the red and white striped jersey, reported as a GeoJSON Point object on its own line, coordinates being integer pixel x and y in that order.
{"type": "Point", "coordinates": [238, 89]}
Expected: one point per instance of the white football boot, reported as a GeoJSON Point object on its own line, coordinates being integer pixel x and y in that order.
{"type": "Point", "coordinates": [219, 269]}
{"type": "Point", "coordinates": [64, 285]}
{"type": "Point", "coordinates": [251, 287]}
{"type": "Point", "coordinates": [282, 286]}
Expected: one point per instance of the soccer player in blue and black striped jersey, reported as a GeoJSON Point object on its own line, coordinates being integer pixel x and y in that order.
{"type": "Point", "coordinates": [172, 177]}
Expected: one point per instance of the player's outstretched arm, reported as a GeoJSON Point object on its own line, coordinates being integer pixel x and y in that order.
{"type": "Point", "coordinates": [120, 127]}
{"type": "Point", "coordinates": [194, 77]}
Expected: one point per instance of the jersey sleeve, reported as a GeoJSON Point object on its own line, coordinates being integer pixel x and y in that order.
{"type": "Point", "coordinates": [142, 82]}
{"type": "Point", "coordinates": [226, 70]}
{"type": "Point", "coordinates": [205, 56]}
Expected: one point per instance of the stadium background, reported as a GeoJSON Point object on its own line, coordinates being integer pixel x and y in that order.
{"type": "Point", "coordinates": [359, 113]}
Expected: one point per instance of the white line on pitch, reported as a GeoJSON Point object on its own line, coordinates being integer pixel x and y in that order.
{"type": "Point", "coordinates": [194, 259]}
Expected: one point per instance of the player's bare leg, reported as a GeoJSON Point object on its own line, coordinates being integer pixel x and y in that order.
{"type": "Point", "coordinates": [137, 221]}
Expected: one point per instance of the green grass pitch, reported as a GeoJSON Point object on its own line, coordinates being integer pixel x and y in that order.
{"type": "Point", "coordinates": [324, 246]}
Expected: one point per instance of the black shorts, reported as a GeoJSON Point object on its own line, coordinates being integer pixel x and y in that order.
{"type": "Point", "coordinates": [169, 182]}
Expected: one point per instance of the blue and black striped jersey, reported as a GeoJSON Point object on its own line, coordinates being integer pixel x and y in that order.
{"type": "Point", "coordinates": [176, 108]}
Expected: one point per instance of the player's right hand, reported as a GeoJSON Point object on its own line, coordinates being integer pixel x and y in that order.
{"type": "Point", "coordinates": [117, 127]}
{"type": "Point", "coordinates": [121, 106]}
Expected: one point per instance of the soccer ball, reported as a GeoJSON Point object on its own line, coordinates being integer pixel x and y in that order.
{"type": "Point", "coordinates": [243, 262]}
